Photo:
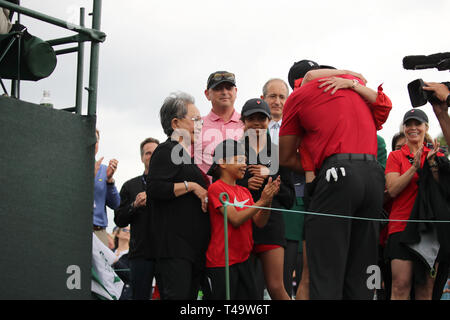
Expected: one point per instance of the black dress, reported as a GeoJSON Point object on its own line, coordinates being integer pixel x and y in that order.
{"type": "Point", "coordinates": [180, 229]}
{"type": "Point", "coordinates": [273, 232]}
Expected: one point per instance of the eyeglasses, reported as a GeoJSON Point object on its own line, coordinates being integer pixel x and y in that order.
{"type": "Point", "coordinates": [274, 96]}
{"type": "Point", "coordinates": [197, 120]}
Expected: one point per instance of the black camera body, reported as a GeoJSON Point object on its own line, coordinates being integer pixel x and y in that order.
{"type": "Point", "coordinates": [418, 96]}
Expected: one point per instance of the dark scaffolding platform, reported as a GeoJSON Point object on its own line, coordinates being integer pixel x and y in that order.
{"type": "Point", "coordinates": [46, 201]}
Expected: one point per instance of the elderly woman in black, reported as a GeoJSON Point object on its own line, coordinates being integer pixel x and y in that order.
{"type": "Point", "coordinates": [177, 193]}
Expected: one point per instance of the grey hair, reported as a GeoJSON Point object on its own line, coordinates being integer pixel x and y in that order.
{"type": "Point", "coordinates": [266, 85]}
{"type": "Point", "coordinates": [174, 106]}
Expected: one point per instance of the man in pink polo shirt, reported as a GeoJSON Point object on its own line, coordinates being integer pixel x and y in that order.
{"type": "Point", "coordinates": [222, 122]}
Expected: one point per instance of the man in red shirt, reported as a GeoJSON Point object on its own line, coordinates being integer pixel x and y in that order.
{"type": "Point", "coordinates": [335, 116]}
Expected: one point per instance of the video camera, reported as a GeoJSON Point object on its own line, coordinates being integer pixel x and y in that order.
{"type": "Point", "coordinates": [417, 95]}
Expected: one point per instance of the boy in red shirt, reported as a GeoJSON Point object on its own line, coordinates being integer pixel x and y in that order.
{"type": "Point", "coordinates": [229, 165]}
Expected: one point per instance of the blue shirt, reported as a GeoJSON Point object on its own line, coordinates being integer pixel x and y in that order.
{"type": "Point", "coordinates": [104, 195]}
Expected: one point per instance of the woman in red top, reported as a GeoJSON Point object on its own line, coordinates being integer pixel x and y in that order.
{"type": "Point", "coordinates": [401, 184]}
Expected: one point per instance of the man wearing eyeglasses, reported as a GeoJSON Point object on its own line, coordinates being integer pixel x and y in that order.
{"type": "Point", "coordinates": [275, 93]}
{"type": "Point", "coordinates": [222, 122]}
{"type": "Point", "coordinates": [133, 211]}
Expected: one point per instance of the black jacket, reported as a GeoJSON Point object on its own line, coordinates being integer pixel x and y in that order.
{"type": "Point", "coordinates": [137, 218]}
{"type": "Point", "coordinates": [180, 229]}
{"type": "Point", "coordinates": [432, 203]}
{"type": "Point", "coordinates": [273, 232]}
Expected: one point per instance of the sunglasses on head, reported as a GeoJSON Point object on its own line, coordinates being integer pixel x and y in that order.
{"type": "Point", "coordinates": [223, 76]}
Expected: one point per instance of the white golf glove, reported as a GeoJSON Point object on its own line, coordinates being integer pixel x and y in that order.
{"type": "Point", "coordinates": [334, 173]}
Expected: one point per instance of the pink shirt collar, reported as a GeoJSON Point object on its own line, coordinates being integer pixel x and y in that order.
{"type": "Point", "coordinates": [214, 117]}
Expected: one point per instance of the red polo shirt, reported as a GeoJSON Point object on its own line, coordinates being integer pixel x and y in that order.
{"type": "Point", "coordinates": [240, 239]}
{"type": "Point", "coordinates": [402, 205]}
{"type": "Point", "coordinates": [331, 124]}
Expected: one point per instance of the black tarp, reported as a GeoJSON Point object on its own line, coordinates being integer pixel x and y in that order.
{"type": "Point", "coordinates": [46, 200]}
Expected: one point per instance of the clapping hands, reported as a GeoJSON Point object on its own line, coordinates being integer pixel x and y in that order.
{"type": "Point", "coordinates": [270, 190]}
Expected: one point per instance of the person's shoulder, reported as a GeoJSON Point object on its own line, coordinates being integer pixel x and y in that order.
{"type": "Point", "coordinates": [216, 185]}
{"type": "Point", "coordinates": [299, 94]}
{"type": "Point", "coordinates": [166, 144]}
{"type": "Point", "coordinates": [133, 180]}
{"type": "Point", "coordinates": [395, 154]}
{"type": "Point", "coordinates": [294, 94]}
{"type": "Point", "coordinates": [394, 159]}
{"type": "Point", "coordinates": [381, 140]}
{"type": "Point", "coordinates": [219, 186]}
{"type": "Point", "coordinates": [164, 147]}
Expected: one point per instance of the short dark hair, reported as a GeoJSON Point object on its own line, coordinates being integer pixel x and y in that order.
{"type": "Point", "coordinates": [148, 140]}
{"type": "Point", "coordinates": [395, 138]}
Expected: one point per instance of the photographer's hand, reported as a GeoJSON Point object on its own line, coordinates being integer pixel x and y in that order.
{"type": "Point", "coordinates": [441, 108]}
{"type": "Point", "coordinates": [440, 90]}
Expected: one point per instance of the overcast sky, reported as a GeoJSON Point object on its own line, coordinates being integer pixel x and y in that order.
{"type": "Point", "coordinates": [154, 48]}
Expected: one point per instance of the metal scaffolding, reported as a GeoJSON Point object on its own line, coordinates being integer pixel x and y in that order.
{"type": "Point", "coordinates": [83, 34]}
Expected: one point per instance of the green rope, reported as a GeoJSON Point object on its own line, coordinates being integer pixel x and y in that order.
{"type": "Point", "coordinates": [226, 203]}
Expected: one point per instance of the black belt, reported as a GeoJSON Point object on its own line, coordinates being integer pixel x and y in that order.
{"type": "Point", "coordinates": [98, 228]}
{"type": "Point", "coordinates": [352, 156]}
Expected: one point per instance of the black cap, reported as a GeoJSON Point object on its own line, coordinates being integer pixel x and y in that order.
{"type": "Point", "coordinates": [415, 114]}
{"type": "Point", "coordinates": [324, 66]}
{"type": "Point", "coordinates": [227, 148]}
{"type": "Point", "coordinates": [255, 105]}
{"type": "Point", "coordinates": [299, 69]}
{"type": "Point", "coordinates": [219, 77]}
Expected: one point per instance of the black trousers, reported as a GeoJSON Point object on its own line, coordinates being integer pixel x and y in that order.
{"type": "Point", "coordinates": [142, 272]}
{"type": "Point", "coordinates": [242, 282]}
{"type": "Point", "coordinates": [178, 279]}
{"type": "Point", "coordinates": [340, 250]}
{"type": "Point", "coordinates": [291, 260]}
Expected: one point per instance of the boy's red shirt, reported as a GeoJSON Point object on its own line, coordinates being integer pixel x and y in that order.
{"type": "Point", "coordinates": [240, 239]}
